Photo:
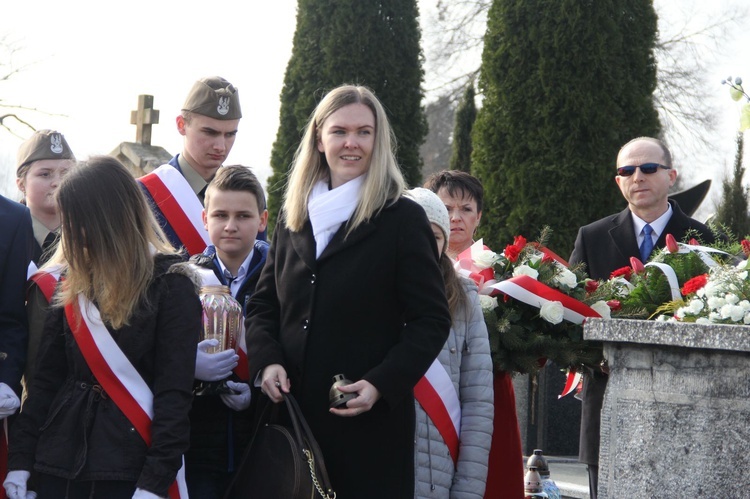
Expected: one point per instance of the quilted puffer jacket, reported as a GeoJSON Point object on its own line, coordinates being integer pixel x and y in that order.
{"type": "Point", "coordinates": [466, 357]}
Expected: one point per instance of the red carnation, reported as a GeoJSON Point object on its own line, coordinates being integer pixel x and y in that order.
{"type": "Point", "coordinates": [591, 285]}
{"type": "Point", "coordinates": [519, 241]}
{"type": "Point", "coordinates": [694, 284]}
{"type": "Point", "coordinates": [672, 244]}
{"type": "Point", "coordinates": [625, 272]}
{"type": "Point", "coordinates": [614, 304]}
{"type": "Point", "coordinates": [512, 252]}
{"type": "Point", "coordinates": [745, 247]}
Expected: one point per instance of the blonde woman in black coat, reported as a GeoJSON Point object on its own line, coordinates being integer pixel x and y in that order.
{"type": "Point", "coordinates": [351, 286]}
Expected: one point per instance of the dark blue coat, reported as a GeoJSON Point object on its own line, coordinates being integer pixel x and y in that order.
{"type": "Point", "coordinates": [16, 246]}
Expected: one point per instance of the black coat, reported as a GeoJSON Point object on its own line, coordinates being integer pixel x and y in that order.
{"type": "Point", "coordinates": [371, 307]}
{"type": "Point", "coordinates": [604, 246]}
{"type": "Point", "coordinates": [70, 429]}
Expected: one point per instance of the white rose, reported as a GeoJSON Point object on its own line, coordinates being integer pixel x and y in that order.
{"type": "Point", "coordinates": [743, 275]}
{"type": "Point", "coordinates": [746, 319]}
{"type": "Point", "coordinates": [602, 309]}
{"type": "Point", "coordinates": [715, 303]}
{"type": "Point", "coordinates": [732, 312]}
{"type": "Point", "coordinates": [566, 277]}
{"type": "Point", "coordinates": [702, 320]}
{"type": "Point", "coordinates": [732, 298]}
{"type": "Point", "coordinates": [714, 317]}
{"type": "Point", "coordinates": [525, 270]}
{"type": "Point", "coordinates": [552, 312]}
{"type": "Point", "coordinates": [695, 306]}
{"type": "Point", "coordinates": [663, 318]}
{"type": "Point", "coordinates": [487, 302]}
{"type": "Point", "coordinates": [535, 257]}
{"type": "Point", "coordinates": [680, 313]}
{"type": "Point", "coordinates": [745, 305]}
{"type": "Point", "coordinates": [484, 259]}
{"type": "Point", "coordinates": [742, 264]}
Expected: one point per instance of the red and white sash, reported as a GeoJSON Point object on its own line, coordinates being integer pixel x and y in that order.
{"type": "Point", "coordinates": [47, 280]}
{"type": "Point", "coordinates": [437, 396]}
{"type": "Point", "coordinates": [119, 378]}
{"type": "Point", "coordinates": [208, 278]}
{"type": "Point", "coordinates": [180, 206]}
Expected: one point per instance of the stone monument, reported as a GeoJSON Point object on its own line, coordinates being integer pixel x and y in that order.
{"type": "Point", "coordinates": [676, 415]}
{"type": "Point", "coordinates": [140, 157]}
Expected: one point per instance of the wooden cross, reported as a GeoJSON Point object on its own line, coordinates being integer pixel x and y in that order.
{"type": "Point", "coordinates": [143, 118]}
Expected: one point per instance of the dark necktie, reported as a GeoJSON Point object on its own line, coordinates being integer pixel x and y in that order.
{"type": "Point", "coordinates": [49, 241]}
{"type": "Point", "coordinates": [202, 194]}
{"type": "Point", "coordinates": [647, 245]}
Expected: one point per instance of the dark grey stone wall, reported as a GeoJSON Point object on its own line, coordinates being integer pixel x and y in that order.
{"type": "Point", "coordinates": [676, 415]}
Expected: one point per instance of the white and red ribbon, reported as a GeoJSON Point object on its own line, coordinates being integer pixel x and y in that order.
{"type": "Point", "coordinates": [532, 292]}
{"type": "Point", "coordinates": [572, 380]}
{"type": "Point", "coordinates": [180, 206]}
{"type": "Point", "coordinates": [118, 377]}
{"type": "Point", "coordinates": [437, 396]}
{"type": "Point", "coordinates": [47, 280]}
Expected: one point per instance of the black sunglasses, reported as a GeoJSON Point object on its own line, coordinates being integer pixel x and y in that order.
{"type": "Point", "coordinates": [647, 168]}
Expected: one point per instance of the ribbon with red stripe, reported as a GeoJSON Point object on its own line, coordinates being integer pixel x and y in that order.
{"type": "Point", "coordinates": [180, 206]}
{"type": "Point", "coordinates": [532, 292]}
{"type": "Point", "coordinates": [119, 378]}
{"type": "Point", "coordinates": [47, 280]}
{"type": "Point", "coordinates": [437, 396]}
{"type": "Point", "coordinates": [571, 382]}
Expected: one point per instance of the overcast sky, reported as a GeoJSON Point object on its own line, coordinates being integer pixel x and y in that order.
{"type": "Point", "coordinates": [86, 62]}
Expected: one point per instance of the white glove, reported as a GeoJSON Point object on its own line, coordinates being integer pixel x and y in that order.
{"type": "Point", "coordinates": [214, 366]}
{"type": "Point", "coordinates": [143, 494]}
{"type": "Point", "coordinates": [15, 485]}
{"type": "Point", "coordinates": [9, 402]}
{"type": "Point", "coordinates": [237, 401]}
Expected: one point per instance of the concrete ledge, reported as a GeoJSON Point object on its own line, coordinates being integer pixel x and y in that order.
{"type": "Point", "coordinates": [679, 334]}
{"type": "Point", "coordinates": [573, 491]}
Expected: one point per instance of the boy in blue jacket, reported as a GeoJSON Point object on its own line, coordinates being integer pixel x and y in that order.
{"type": "Point", "coordinates": [234, 214]}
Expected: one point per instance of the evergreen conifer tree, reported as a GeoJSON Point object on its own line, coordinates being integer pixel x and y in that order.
{"type": "Point", "coordinates": [732, 212]}
{"type": "Point", "coordinates": [565, 85]}
{"type": "Point", "coordinates": [465, 117]}
{"type": "Point", "coordinates": [375, 43]}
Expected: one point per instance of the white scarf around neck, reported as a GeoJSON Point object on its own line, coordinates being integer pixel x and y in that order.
{"type": "Point", "coordinates": [328, 209]}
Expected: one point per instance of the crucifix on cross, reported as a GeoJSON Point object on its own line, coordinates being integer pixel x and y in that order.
{"type": "Point", "coordinates": [143, 118]}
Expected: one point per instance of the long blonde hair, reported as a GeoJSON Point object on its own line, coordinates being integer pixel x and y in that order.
{"type": "Point", "coordinates": [384, 183]}
{"type": "Point", "coordinates": [109, 238]}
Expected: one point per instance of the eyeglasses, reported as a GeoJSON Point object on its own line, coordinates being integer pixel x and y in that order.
{"type": "Point", "coordinates": [647, 168]}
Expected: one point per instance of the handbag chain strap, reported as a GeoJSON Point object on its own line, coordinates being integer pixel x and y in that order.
{"type": "Point", "coordinates": [311, 464]}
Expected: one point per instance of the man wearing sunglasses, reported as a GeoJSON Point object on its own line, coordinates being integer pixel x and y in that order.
{"type": "Point", "coordinates": [644, 174]}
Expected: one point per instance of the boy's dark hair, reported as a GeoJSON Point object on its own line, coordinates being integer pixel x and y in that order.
{"type": "Point", "coordinates": [236, 178]}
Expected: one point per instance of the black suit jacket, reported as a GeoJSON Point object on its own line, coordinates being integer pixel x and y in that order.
{"type": "Point", "coordinates": [16, 239]}
{"type": "Point", "coordinates": [604, 246]}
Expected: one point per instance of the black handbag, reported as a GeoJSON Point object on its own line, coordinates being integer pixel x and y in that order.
{"type": "Point", "coordinates": [281, 462]}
